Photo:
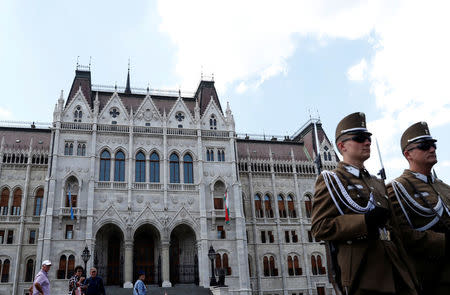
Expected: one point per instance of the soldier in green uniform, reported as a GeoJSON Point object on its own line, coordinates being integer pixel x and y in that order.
{"type": "Point", "coordinates": [422, 202]}
{"type": "Point", "coordinates": [352, 210]}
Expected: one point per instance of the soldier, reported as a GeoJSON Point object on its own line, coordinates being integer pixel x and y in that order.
{"type": "Point", "coordinates": [352, 211]}
{"type": "Point", "coordinates": [422, 202]}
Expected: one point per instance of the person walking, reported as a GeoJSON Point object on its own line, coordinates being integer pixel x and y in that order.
{"type": "Point", "coordinates": [351, 210]}
{"type": "Point", "coordinates": [422, 202]}
{"type": "Point", "coordinates": [76, 282]}
{"type": "Point", "coordinates": [41, 283]}
{"type": "Point", "coordinates": [94, 284]}
{"type": "Point", "coordinates": [139, 286]}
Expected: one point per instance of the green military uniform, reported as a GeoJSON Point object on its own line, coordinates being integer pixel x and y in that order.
{"type": "Point", "coordinates": [369, 264]}
{"type": "Point", "coordinates": [413, 195]}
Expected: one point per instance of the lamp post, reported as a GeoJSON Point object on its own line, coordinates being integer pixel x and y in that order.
{"type": "Point", "coordinates": [85, 255]}
{"type": "Point", "coordinates": [212, 256]}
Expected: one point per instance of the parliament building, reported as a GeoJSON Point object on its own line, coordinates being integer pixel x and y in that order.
{"type": "Point", "coordinates": [140, 178]}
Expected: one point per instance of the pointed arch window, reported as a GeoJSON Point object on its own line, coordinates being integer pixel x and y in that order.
{"type": "Point", "coordinates": [81, 149]}
{"type": "Point", "coordinates": [290, 265]}
{"type": "Point", "coordinates": [78, 114]}
{"type": "Point", "coordinates": [4, 201]}
{"type": "Point", "coordinates": [70, 266]}
{"type": "Point", "coordinates": [174, 168]}
{"type": "Point", "coordinates": [266, 266]}
{"type": "Point", "coordinates": [308, 205]}
{"type": "Point", "coordinates": [188, 169]}
{"type": "Point", "coordinates": [105, 165]}
{"type": "Point", "coordinates": [258, 207]}
{"type": "Point", "coordinates": [119, 166]}
{"type": "Point", "coordinates": [5, 271]}
{"type": "Point", "coordinates": [316, 265]}
{"type": "Point", "coordinates": [29, 271]}
{"type": "Point", "coordinates": [291, 206]}
{"type": "Point", "coordinates": [61, 272]}
{"type": "Point", "coordinates": [294, 266]}
{"type": "Point", "coordinates": [68, 148]}
{"type": "Point", "coordinates": [38, 202]}
{"type": "Point", "coordinates": [213, 122]}
{"type": "Point", "coordinates": [269, 266]}
{"type": "Point", "coordinates": [268, 207]}
{"type": "Point", "coordinates": [154, 167]}
{"type": "Point", "coordinates": [17, 201]}
{"type": "Point", "coordinates": [281, 207]}
{"type": "Point", "coordinates": [140, 167]}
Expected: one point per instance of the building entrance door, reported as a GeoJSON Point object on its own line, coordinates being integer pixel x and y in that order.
{"type": "Point", "coordinates": [146, 255]}
{"type": "Point", "coordinates": [183, 256]}
{"type": "Point", "coordinates": [108, 254]}
{"type": "Point", "coordinates": [113, 268]}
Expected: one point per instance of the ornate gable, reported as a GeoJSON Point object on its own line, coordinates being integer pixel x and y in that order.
{"type": "Point", "coordinates": [180, 115]}
{"type": "Point", "coordinates": [147, 114]}
{"type": "Point", "coordinates": [212, 112]}
{"type": "Point", "coordinates": [78, 109]}
{"type": "Point", "coordinates": [114, 111]}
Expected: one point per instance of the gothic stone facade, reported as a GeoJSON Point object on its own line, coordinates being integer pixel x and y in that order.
{"type": "Point", "coordinates": [139, 177]}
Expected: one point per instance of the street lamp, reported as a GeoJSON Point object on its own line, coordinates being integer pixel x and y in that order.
{"type": "Point", "coordinates": [212, 256]}
{"type": "Point", "coordinates": [85, 255]}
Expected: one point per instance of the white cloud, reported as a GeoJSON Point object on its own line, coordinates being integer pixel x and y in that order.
{"type": "Point", "coordinates": [358, 71]}
{"type": "Point", "coordinates": [5, 114]}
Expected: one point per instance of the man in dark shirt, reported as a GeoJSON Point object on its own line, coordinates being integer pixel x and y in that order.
{"type": "Point", "coordinates": [94, 284]}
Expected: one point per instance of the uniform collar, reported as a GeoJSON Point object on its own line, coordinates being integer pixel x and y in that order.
{"type": "Point", "coordinates": [422, 177]}
{"type": "Point", "coordinates": [352, 169]}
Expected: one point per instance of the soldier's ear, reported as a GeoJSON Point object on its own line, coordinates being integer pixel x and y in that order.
{"type": "Point", "coordinates": [407, 155]}
{"type": "Point", "coordinates": [340, 146]}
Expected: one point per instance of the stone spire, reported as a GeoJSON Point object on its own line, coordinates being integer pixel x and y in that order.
{"type": "Point", "coordinates": [128, 88]}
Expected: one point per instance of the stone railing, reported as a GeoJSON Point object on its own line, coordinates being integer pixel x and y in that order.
{"type": "Point", "coordinates": [147, 130]}
{"type": "Point", "coordinates": [76, 126]}
{"type": "Point", "coordinates": [182, 187]}
{"type": "Point", "coordinates": [111, 184]}
{"type": "Point", "coordinates": [65, 211]}
{"type": "Point", "coordinates": [215, 133]}
{"type": "Point", "coordinates": [113, 128]}
{"type": "Point", "coordinates": [147, 186]}
{"type": "Point", "coordinates": [181, 131]}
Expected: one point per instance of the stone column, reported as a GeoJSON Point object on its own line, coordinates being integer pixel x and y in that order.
{"type": "Point", "coordinates": [128, 265]}
{"type": "Point", "coordinates": [165, 264]}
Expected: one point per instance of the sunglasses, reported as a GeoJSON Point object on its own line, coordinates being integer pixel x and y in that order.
{"type": "Point", "coordinates": [424, 146]}
{"type": "Point", "coordinates": [359, 138]}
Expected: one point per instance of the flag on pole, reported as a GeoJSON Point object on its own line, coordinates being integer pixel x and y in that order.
{"type": "Point", "coordinates": [70, 202]}
{"type": "Point", "coordinates": [227, 210]}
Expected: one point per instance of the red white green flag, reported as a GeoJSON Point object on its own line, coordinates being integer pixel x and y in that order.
{"type": "Point", "coordinates": [227, 210]}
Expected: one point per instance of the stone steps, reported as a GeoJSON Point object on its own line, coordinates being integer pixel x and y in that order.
{"type": "Point", "coordinates": [152, 290]}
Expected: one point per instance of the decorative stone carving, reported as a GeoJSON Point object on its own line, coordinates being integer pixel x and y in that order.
{"type": "Point", "coordinates": [102, 198]}
{"type": "Point", "coordinates": [140, 199]}
{"type": "Point", "coordinates": [119, 198]}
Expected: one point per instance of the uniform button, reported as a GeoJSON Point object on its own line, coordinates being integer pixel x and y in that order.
{"type": "Point", "coordinates": [349, 242]}
{"type": "Point", "coordinates": [378, 203]}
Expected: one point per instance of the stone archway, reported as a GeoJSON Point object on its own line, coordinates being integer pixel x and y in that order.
{"type": "Point", "coordinates": [183, 256]}
{"type": "Point", "coordinates": [108, 255]}
{"type": "Point", "coordinates": [147, 254]}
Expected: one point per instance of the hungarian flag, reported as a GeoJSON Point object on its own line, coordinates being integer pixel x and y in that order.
{"type": "Point", "coordinates": [227, 209]}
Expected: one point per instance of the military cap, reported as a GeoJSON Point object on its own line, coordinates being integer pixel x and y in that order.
{"type": "Point", "coordinates": [416, 132]}
{"type": "Point", "coordinates": [352, 124]}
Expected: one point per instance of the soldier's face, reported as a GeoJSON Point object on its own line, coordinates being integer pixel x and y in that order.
{"type": "Point", "coordinates": [355, 150]}
{"type": "Point", "coordinates": [421, 157]}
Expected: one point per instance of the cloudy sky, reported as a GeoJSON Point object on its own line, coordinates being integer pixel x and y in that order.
{"type": "Point", "coordinates": [276, 62]}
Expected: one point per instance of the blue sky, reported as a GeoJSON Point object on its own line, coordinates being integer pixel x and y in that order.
{"type": "Point", "coordinates": [274, 61]}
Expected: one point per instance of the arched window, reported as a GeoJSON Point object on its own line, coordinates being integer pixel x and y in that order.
{"type": "Point", "coordinates": [29, 271]}
{"type": "Point", "coordinates": [219, 191]}
{"type": "Point", "coordinates": [140, 167]}
{"type": "Point", "coordinates": [281, 208]}
{"type": "Point", "coordinates": [17, 200]}
{"type": "Point", "coordinates": [266, 266]}
{"type": "Point", "coordinates": [273, 269]}
{"type": "Point", "coordinates": [268, 207]}
{"type": "Point", "coordinates": [5, 271]}
{"type": "Point", "coordinates": [212, 122]}
{"type": "Point", "coordinates": [218, 263]}
{"type": "Point", "coordinates": [329, 157]}
{"type": "Point", "coordinates": [154, 167]}
{"type": "Point", "coordinates": [105, 165]}
{"type": "Point", "coordinates": [297, 268]}
{"type": "Point", "coordinates": [70, 149]}
{"type": "Point", "coordinates": [4, 201]}
{"type": "Point", "coordinates": [290, 262]}
{"type": "Point", "coordinates": [325, 158]}
{"type": "Point", "coordinates": [313, 265]}
{"type": "Point", "coordinates": [226, 267]}
{"type": "Point", "coordinates": [119, 166]}
{"type": "Point", "coordinates": [70, 266]}
{"type": "Point", "coordinates": [81, 149]}
{"type": "Point", "coordinates": [174, 168]}
{"type": "Point", "coordinates": [291, 207]}
{"type": "Point", "coordinates": [78, 114]}
{"type": "Point", "coordinates": [66, 148]}
{"type": "Point", "coordinates": [320, 268]}
{"type": "Point", "coordinates": [188, 169]}
{"type": "Point", "coordinates": [72, 187]}
{"type": "Point", "coordinates": [38, 202]}
{"type": "Point", "coordinates": [258, 207]}
{"type": "Point", "coordinates": [308, 206]}
{"type": "Point", "coordinates": [61, 272]}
